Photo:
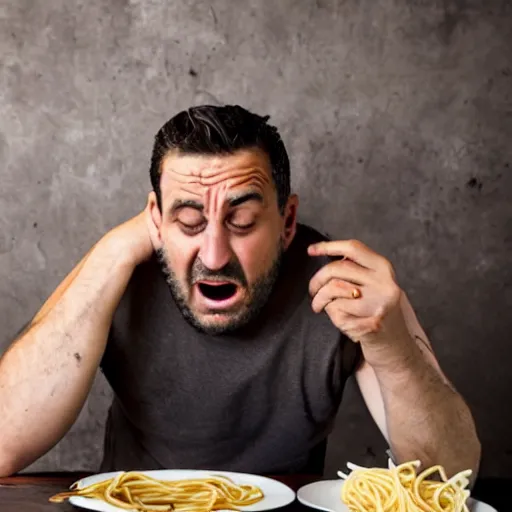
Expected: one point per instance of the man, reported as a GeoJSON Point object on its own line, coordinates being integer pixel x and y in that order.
{"type": "Point", "coordinates": [226, 329]}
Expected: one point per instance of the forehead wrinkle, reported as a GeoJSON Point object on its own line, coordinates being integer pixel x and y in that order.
{"type": "Point", "coordinates": [254, 179]}
{"type": "Point", "coordinates": [181, 177]}
{"type": "Point", "coordinates": [211, 179]}
{"type": "Point", "coordinates": [216, 197]}
{"type": "Point", "coordinates": [192, 192]}
{"type": "Point", "coordinates": [255, 175]}
{"type": "Point", "coordinates": [197, 186]}
{"type": "Point", "coordinates": [239, 175]}
{"type": "Point", "coordinates": [202, 169]}
{"type": "Point", "coordinates": [225, 195]}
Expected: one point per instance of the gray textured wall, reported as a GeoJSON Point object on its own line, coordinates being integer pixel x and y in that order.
{"type": "Point", "coordinates": [397, 116]}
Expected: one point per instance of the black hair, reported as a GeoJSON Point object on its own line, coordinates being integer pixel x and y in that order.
{"type": "Point", "coordinates": [212, 130]}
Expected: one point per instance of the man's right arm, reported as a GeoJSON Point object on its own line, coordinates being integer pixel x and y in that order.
{"type": "Point", "coordinates": [47, 373]}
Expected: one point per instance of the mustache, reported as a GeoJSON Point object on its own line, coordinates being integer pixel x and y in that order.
{"type": "Point", "coordinates": [232, 271]}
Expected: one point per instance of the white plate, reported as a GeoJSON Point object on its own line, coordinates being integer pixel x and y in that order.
{"type": "Point", "coordinates": [326, 495]}
{"type": "Point", "coordinates": [276, 494]}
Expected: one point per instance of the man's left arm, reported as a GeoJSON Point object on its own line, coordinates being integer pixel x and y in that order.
{"type": "Point", "coordinates": [418, 410]}
{"type": "Point", "coordinates": [415, 406]}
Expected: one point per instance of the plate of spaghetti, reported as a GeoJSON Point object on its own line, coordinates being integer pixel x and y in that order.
{"type": "Point", "coordinates": [399, 488]}
{"type": "Point", "coordinates": [176, 490]}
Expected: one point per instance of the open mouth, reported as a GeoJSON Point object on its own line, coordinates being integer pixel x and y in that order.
{"type": "Point", "coordinates": [218, 292]}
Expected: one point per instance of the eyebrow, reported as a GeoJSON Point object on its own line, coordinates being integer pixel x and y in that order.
{"type": "Point", "coordinates": [178, 204]}
{"type": "Point", "coordinates": [244, 198]}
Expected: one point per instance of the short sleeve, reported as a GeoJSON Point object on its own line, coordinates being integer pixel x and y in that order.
{"type": "Point", "coordinates": [352, 357]}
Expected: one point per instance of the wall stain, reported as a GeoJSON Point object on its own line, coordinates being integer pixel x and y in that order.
{"type": "Point", "coordinates": [453, 15]}
{"type": "Point", "coordinates": [475, 184]}
{"type": "Point", "coordinates": [214, 15]}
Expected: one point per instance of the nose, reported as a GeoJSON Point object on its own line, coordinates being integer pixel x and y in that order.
{"type": "Point", "coordinates": [215, 251]}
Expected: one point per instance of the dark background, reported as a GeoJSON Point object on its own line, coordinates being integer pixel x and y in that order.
{"type": "Point", "coordinates": [398, 119]}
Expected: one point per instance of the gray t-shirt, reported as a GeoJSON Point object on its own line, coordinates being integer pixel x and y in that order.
{"type": "Point", "coordinates": [262, 400]}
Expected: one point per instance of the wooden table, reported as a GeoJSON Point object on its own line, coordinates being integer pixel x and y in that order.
{"type": "Point", "coordinates": [30, 493]}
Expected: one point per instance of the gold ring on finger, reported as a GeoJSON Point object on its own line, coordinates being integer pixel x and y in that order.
{"type": "Point", "coordinates": [356, 293]}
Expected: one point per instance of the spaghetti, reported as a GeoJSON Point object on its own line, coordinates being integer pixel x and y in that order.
{"type": "Point", "coordinates": [401, 489]}
{"type": "Point", "coordinates": [138, 492]}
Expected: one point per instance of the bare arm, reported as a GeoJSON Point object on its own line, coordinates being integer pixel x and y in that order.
{"type": "Point", "coordinates": [417, 409]}
{"type": "Point", "coordinates": [415, 406]}
{"type": "Point", "coordinates": [46, 374]}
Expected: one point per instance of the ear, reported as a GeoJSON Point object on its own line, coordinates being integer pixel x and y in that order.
{"type": "Point", "coordinates": [154, 219]}
{"type": "Point", "coordinates": [290, 220]}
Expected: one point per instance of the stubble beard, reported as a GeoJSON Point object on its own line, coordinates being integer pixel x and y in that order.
{"type": "Point", "coordinates": [258, 296]}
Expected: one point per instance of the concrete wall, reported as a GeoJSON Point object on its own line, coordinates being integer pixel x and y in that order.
{"type": "Point", "coordinates": [397, 116]}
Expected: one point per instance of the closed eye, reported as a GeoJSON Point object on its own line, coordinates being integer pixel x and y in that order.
{"type": "Point", "coordinates": [191, 220]}
{"type": "Point", "coordinates": [191, 229]}
{"type": "Point", "coordinates": [242, 226]}
{"type": "Point", "coordinates": [242, 219]}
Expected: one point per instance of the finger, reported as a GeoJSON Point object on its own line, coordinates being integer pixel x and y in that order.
{"type": "Point", "coordinates": [354, 327]}
{"type": "Point", "coordinates": [349, 306]}
{"type": "Point", "coordinates": [334, 289]}
{"type": "Point", "coordinates": [337, 316]}
{"type": "Point", "coordinates": [345, 270]}
{"type": "Point", "coordinates": [351, 249]}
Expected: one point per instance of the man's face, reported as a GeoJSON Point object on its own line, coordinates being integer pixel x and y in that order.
{"type": "Point", "coordinates": [221, 236]}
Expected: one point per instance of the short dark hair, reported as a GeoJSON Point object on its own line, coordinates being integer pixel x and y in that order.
{"type": "Point", "coordinates": [211, 130]}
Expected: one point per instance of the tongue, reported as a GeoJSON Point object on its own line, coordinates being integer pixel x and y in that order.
{"type": "Point", "coordinates": [217, 291]}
